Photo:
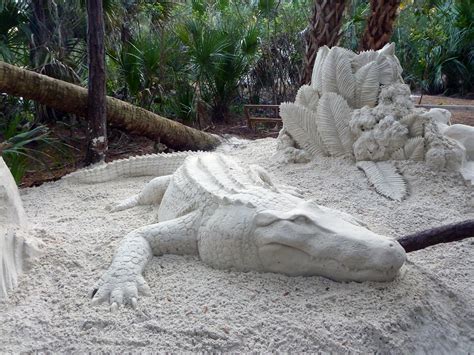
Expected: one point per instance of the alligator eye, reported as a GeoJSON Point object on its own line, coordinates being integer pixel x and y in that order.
{"type": "Point", "coordinates": [301, 219]}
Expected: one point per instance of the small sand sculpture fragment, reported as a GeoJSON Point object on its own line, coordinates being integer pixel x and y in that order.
{"type": "Point", "coordinates": [17, 247]}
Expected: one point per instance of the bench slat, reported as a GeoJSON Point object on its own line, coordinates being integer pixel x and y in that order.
{"type": "Point", "coordinates": [253, 120]}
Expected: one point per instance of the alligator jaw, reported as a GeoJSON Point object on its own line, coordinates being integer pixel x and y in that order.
{"type": "Point", "coordinates": [309, 240]}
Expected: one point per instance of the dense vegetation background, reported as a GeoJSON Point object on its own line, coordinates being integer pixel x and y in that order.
{"type": "Point", "coordinates": [199, 61]}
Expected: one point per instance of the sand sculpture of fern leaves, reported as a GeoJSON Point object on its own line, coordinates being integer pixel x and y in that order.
{"type": "Point", "coordinates": [385, 179]}
{"type": "Point", "coordinates": [332, 120]}
{"type": "Point", "coordinates": [301, 122]}
{"type": "Point", "coordinates": [357, 105]}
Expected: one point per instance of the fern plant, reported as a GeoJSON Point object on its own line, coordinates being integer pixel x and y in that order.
{"type": "Point", "coordinates": [221, 49]}
{"type": "Point", "coordinates": [16, 148]}
{"type": "Point", "coordinates": [22, 142]}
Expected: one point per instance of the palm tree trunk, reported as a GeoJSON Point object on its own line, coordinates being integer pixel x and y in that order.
{"type": "Point", "coordinates": [96, 103]}
{"type": "Point", "coordinates": [42, 31]}
{"type": "Point", "coordinates": [71, 98]}
{"type": "Point", "coordinates": [323, 30]}
{"type": "Point", "coordinates": [379, 27]}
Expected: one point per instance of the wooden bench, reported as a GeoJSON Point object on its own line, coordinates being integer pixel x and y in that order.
{"type": "Point", "coordinates": [253, 120]}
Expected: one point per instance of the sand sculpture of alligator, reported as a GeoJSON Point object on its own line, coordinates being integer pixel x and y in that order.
{"type": "Point", "coordinates": [17, 246]}
{"type": "Point", "coordinates": [234, 216]}
{"type": "Point", "coordinates": [358, 107]}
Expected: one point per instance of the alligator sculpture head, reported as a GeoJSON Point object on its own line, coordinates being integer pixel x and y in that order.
{"type": "Point", "coordinates": [315, 240]}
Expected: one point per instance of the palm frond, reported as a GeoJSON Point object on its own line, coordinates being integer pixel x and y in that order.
{"type": "Point", "coordinates": [385, 179]}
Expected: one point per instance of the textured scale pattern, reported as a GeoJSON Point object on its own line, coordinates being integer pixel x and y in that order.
{"type": "Point", "coordinates": [225, 212]}
{"type": "Point", "coordinates": [201, 185]}
{"type": "Point", "coordinates": [218, 179]}
{"type": "Point", "coordinates": [143, 165]}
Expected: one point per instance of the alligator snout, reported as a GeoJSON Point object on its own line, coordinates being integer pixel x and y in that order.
{"type": "Point", "coordinates": [327, 243]}
{"type": "Point", "coordinates": [380, 261]}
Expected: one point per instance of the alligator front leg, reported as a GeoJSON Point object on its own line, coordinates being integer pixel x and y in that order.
{"type": "Point", "coordinates": [123, 281]}
{"type": "Point", "coordinates": [151, 194]}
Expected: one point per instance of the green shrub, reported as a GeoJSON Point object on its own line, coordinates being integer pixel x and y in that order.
{"type": "Point", "coordinates": [435, 45]}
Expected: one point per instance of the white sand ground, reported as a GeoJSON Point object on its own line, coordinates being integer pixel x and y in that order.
{"type": "Point", "coordinates": [428, 308]}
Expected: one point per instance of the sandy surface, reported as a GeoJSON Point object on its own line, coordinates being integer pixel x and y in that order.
{"type": "Point", "coordinates": [428, 308]}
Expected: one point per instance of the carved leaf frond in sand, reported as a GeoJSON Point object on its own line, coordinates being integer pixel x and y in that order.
{"type": "Point", "coordinates": [388, 49]}
{"type": "Point", "coordinates": [317, 75]}
{"type": "Point", "coordinates": [307, 97]}
{"type": "Point", "coordinates": [333, 124]}
{"type": "Point", "coordinates": [414, 149]}
{"type": "Point", "coordinates": [363, 58]}
{"type": "Point", "coordinates": [399, 154]}
{"type": "Point", "coordinates": [337, 74]}
{"type": "Point", "coordinates": [385, 178]}
{"type": "Point", "coordinates": [300, 123]}
{"type": "Point", "coordinates": [368, 86]}
{"type": "Point", "coordinates": [415, 124]}
{"type": "Point", "coordinates": [388, 70]}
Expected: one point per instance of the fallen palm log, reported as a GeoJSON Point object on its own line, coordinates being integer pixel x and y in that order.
{"type": "Point", "coordinates": [71, 98]}
{"type": "Point", "coordinates": [444, 234]}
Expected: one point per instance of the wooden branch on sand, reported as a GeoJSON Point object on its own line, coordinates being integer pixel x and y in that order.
{"type": "Point", "coordinates": [444, 234]}
{"type": "Point", "coordinates": [71, 98]}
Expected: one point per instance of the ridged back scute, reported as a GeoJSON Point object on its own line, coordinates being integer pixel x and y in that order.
{"type": "Point", "coordinates": [226, 181]}
{"type": "Point", "coordinates": [143, 165]}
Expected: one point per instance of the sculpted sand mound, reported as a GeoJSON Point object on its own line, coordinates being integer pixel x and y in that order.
{"type": "Point", "coordinates": [17, 247]}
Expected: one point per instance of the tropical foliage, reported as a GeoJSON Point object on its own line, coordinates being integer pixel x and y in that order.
{"type": "Point", "coordinates": [435, 45]}
{"type": "Point", "coordinates": [21, 139]}
{"type": "Point", "coordinates": [195, 58]}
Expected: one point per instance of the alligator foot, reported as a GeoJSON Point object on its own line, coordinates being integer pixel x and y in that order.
{"type": "Point", "coordinates": [125, 204]}
{"type": "Point", "coordinates": [123, 281]}
{"type": "Point", "coordinates": [118, 286]}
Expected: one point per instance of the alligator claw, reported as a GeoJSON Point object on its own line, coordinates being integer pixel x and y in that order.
{"type": "Point", "coordinates": [118, 289]}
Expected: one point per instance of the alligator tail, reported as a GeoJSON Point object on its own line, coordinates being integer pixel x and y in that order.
{"type": "Point", "coordinates": [143, 165]}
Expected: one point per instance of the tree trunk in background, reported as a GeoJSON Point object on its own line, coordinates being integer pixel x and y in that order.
{"type": "Point", "coordinates": [42, 28]}
{"type": "Point", "coordinates": [379, 27]}
{"type": "Point", "coordinates": [42, 31]}
{"type": "Point", "coordinates": [71, 98]}
{"type": "Point", "coordinates": [323, 30]}
{"type": "Point", "coordinates": [96, 103]}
